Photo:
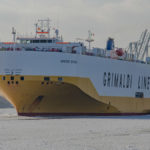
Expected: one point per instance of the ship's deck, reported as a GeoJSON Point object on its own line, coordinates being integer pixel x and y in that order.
{"type": "Point", "coordinates": [87, 53]}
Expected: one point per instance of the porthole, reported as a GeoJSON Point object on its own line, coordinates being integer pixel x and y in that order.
{"type": "Point", "coordinates": [46, 78]}
{"type": "Point", "coordinates": [11, 78]}
{"type": "Point", "coordinates": [59, 78]}
{"type": "Point", "coordinates": [21, 78]}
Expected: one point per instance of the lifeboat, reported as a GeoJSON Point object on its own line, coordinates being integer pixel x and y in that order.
{"type": "Point", "coordinates": [119, 52]}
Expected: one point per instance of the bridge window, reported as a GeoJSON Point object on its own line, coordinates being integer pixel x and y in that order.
{"type": "Point", "coordinates": [43, 41]}
{"type": "Point", "coordinates": [28, 41]}
{"type": "Point", "coordinates": [23, 41]}
{"type": "Point", "coordinates": [36, 41]}
{"type": "Point", "coordinates": [49, 41]}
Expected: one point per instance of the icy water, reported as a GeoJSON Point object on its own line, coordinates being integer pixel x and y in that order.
{"type": "Point", "coordinates": [88, 133]}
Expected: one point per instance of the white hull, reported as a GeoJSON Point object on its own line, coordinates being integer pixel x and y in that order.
{"type": "Point", "coordinates": [110, 77]}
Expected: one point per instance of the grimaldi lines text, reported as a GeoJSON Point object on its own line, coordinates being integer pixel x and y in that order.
{"type": "Point", "coordinates": [120, 80]}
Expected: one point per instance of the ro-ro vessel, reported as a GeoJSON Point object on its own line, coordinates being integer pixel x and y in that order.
{"type": "Point", "coordinates": [43, 75]}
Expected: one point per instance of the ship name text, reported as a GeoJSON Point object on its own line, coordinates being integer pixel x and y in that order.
{"type": "Point", "coordinates": [117, 80]}
{"type": "Point", "coordinates": [69, 61]}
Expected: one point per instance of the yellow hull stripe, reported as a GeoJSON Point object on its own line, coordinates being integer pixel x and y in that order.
{"type": "Point", "coordinates": [33, 94]}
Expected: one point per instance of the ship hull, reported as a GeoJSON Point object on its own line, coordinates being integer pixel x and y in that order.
{"type": "Point", "coordinates": [70, 97]}
{"type": "Point", "coordinates": [34, 96]}
{"type": "Point", "coordinates": [52, 83]}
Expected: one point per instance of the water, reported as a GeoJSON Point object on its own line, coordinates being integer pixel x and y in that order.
{"type": "Point", "coordinates": [61, 133]}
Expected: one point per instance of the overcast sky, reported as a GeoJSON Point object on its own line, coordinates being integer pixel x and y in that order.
{"type": "Point", "coordinates": [124, 20]}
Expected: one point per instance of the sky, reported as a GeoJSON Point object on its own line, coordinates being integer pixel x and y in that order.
{"type": "Point", "coordinates": [123, 20]}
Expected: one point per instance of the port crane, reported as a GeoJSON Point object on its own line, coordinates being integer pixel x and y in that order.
{"type": "Point", "coordinates": [140, 47]}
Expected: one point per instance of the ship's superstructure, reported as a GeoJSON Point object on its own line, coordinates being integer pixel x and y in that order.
{"type": "Point", "coordinates": [43, 75]}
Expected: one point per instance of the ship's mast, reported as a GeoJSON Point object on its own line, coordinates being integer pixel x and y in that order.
{"type": "Point", "coordinates": [36, 26]}
{"type": "Point", "coordinates": [90, 39]}
{"type": "Point", "coordinates": [14, 34]}
{"type": "Point", "coordinates": [43, 28]}
{"type": "Point", "coordinates": [14, 37]}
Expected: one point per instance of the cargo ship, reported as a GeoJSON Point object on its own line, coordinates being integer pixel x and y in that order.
{"type": "Point", "coordinates": [42, 76]}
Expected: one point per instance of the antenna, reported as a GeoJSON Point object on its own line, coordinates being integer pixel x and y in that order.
{"type": "Point", "coordinates": [57, 33]}
{"type": "Point", "coordinates": [14, 34]}
{"type": "Point", "coordinates": [90, 39]}
{"type": "Point", "coordinates": [36, 27]}
{"type": "Point", "coordinates": [58, 20]}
